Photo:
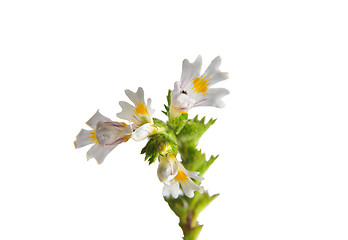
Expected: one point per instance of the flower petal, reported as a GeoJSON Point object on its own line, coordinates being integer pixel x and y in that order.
{"type": "Point", "coordinates": [99, 153]}
{"type": "Point", "coordinates": [213, 98]}
{"type": "Point", "coordinates": [97, 117]}
{"type": "Point", "coordinates": [127, 112]}
{"type": "Point", "coordinates": [189, 187]}
{"type": "Point", "coordinates": [148, 107]}
{"type": "Point", "coordinates": [213, 73]}
{"type": "Point", "coordinates": [172, 189]}
{"type": "Point", "coordinates": [136, 97]}
{"type": "Point", "coordinates": [83, 138]}
{"type": "Point", "coordinates": [190, 70]}
{"type": "Point", "coordinates": [194, 175]}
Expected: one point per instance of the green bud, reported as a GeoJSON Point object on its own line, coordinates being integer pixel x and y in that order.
{"type": "Point", "coordinates": [164, 148]}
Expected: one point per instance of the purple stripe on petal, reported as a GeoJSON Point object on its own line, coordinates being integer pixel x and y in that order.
{"type": "Point", "coordinates": [118, 141]}
{"type": "Point", "coordinates": [202, 100]}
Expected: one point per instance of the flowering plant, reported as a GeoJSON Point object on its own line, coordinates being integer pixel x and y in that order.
{"type": "Point", "coordinates": [182, 188]}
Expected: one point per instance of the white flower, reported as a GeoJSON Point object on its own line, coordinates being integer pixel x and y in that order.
{"type": "Point", "coordinates": [173, 174]}
{"type": "Point", "coordinates": [140, 113]}
{"type": "Point", "coordinates": [195, 90]}
{"type": "Point", "coordinates": [105, 136]}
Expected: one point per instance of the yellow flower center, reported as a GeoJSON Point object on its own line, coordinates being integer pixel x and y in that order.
{"type": "Point", "coordinates": [140, 109]}
{"type": "Point", "coordinates": [200, 85]}
{"type": "Point", "coordinates": [94, 136]}
{"type": "Point", "coordinates": [181, 177]}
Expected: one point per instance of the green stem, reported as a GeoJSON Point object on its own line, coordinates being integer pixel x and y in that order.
{"type": "Point", "coordinates": [190, 227]}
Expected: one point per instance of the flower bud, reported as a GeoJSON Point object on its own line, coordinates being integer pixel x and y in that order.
{"type": "Point", "coordinates": [167, 168]}
{"type": "Point", "coordinates": [164, 148]}
{"type": "Point", "coordinates": [144, 131]}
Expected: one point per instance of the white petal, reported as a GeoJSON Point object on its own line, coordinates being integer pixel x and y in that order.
{"type": "Point", "coordinates": [136, 97]}
{"type": "Point", "coordinates": [83, 138]}
{"type": "Point", "coordinates": [99, 153]}
{"type": "Point", "coordinates": [127, 112]}
{"type": "Point", "coordinates": [149, 109]}
{"type": "Point", "coordinates": [171, 189]}
{"type": "Point", "coordinates": [190, 70]}
{"type": "Point", "coordinates": [189, 187]}
{"type": "Point", "coordinates": [213, 72]}
{"type": "Point", "coordinates": [213, 98]}
{"type": "Point", "coordinates": [194, 175]}
{"type": "Point", "coordinates": [97, 117]}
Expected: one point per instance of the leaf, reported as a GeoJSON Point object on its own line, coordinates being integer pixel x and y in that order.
{"type": "Point", "coordinates": [193, 130]}
{"type": "Point", "coordinates": [167, 107]}
{"type": "Point", "coordinates": [177, 124]}
{"type": "Point", "coordinates": [203, 202]}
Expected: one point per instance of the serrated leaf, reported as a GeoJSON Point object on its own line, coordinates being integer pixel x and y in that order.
{"type": "Point", "coordinates": [177, 124]}
{"type": "Point", "coordinates": [167, 107]}
{"type": "Point", "coordinates": [193, 130]}
{"type": "Point", "coordinates": [177, 206]}
{"type": "Point", "coordinates": [203, 202]}
{"type": "Point", "coordinates": [204, 167]}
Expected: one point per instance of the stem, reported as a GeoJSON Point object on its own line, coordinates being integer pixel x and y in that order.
{"type": "Point", "coordinates": [190, 227]}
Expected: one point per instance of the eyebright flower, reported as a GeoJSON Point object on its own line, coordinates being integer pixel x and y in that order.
{"type": "Point", "coordinates": [139, 115]}
{"type": "Point", "coordinates": [105, 136]}
{"type": "Point", "coordinates": [195, 90]}
{"type": "Point", "coordinates": [173, 174]}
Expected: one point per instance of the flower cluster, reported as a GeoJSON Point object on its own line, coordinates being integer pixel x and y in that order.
{"type": "Point", "coordinates": [107, 134]}
{"type": "Point", "coordinates": [193, 90]}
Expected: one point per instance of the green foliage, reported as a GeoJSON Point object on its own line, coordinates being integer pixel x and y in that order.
{"type": "Point", "coordinates": [193, 131]}
{"type": "Point", "coordinates": [167, 107]}
{"type": "Point", "coordinates": [192, 158]}
{"type": "Point", "coordinates": [182, 135]}
{"type": "Point", "coordinates": [160, 125]}
{"type": "Point", "coordinates": [188, 209]}
{"type": "Point", "coordinates": [177, 124]}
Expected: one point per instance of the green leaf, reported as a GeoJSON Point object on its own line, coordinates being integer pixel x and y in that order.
{"type": "Point", "coordinates": [188, 138]}
{"type": "Point", "coordinates": [177, 206]}
{"type": "Point", "coordinates": [193, 130]}
{"type": "Point", "coordinates": [167, 107]}
{"type": "Point", "coordinates": [203, 202]}
{"type": "Point", "coordinates": [177, 124]}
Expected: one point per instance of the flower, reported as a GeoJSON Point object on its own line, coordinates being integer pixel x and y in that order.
{"type": "Point", "coordinates": [139, 115]}
{"type": "Point", "coordinates": [173, 174]}
{"type": "Point", "coordinates": [195, 90]}
{"type": "Point", "coordinates": [105, 136]}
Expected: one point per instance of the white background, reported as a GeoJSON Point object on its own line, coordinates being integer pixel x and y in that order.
{"type": "Point", "coordinates": [282, 139]}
